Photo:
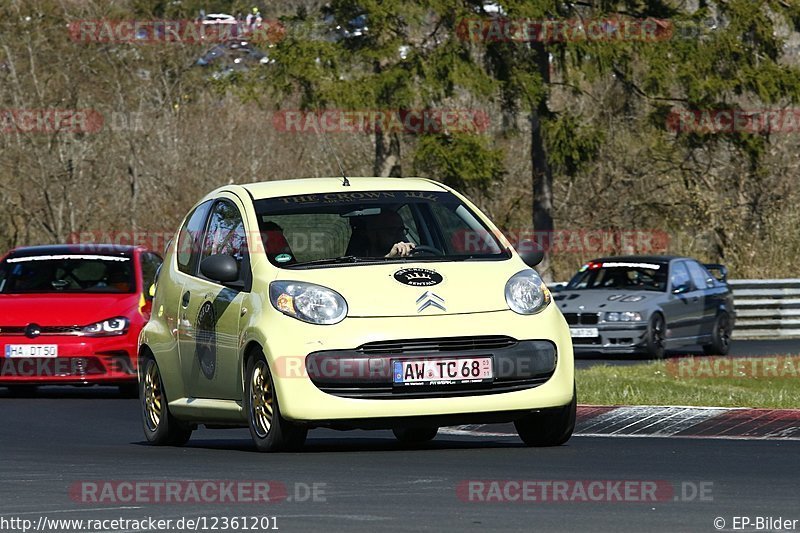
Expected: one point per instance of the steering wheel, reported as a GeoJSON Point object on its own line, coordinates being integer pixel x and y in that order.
{"type": "Point", "coordinates": [426, 249]}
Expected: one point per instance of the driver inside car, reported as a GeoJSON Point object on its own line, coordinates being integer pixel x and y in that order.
{"type": "Point", "coordinates": [385, 235]}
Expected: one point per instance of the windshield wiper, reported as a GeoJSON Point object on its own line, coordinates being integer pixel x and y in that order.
{"type": "Point", "coordinates": [331, 261]}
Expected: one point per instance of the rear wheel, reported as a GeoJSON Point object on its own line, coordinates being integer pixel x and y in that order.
{"type": "Point", "coordinates": [720, 336]}
{"type": "Point", "coordinates": [549, 427]}
{"type": "Point", "coordinates": [415, 435]}
{"type": "Point", "coordinates": [656, 331]}
{"type": "Point", "coordinates": [160, 427]}
{"type": "Point", "coordinates": [269, 430]}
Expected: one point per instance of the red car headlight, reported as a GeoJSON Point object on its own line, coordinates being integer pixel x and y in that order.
{"type": "Point", "coordinates": [112, 326]}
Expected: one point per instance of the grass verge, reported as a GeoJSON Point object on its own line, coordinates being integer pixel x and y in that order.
{"type": "Point", "coordinates": [768, 382]}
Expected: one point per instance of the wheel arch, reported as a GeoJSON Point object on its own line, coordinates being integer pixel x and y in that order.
{"type": "Point", "coordinates": [252, 349]}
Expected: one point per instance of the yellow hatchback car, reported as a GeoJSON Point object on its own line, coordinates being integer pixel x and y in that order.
{"type": "Point", "coordinates": [369, 303]}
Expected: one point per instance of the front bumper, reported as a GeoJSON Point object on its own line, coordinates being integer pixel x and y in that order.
{"type": "Point", "coordinates": [81, 361]}
{"type": "Point", "coordinates": [301, 400]}
{"type": "Point", "coordinates": [612, 338]}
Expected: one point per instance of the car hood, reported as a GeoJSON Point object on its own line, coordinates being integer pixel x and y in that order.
{"type": "Point", "coordinates": [598, 300]}
{"type": "Point", "coordinates": [63, 309]}
{"type": "Point", "coordinates": [374, 290]}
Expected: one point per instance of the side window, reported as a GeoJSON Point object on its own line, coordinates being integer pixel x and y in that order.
{"type": "Point", "coordinates": [462, 232]}
{"type": "Point", "coordinates": [225, 234]}
{"type": "Point", "coordinates": [700, 276]}
{"type": "Point", "coordinates": [679, 275]}
{"type": "Point", "coordinates": [150, 264]}
{"type": "Point", "coordinates": [189, 239]}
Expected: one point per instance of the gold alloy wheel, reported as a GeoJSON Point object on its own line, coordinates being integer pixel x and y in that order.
{"type": "Point", "coordinates": [152, 396]}
{"type": "Point", "coordinates": [261, 399]}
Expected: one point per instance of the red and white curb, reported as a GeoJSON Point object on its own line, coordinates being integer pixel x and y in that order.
{"type": "Point", "coordinates": [671, 421]}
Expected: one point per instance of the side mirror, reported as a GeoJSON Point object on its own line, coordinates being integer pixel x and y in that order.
{"type": "Point", "coordinates": [530, 252]}
{"type": "Point", "coordinates": [680, 289]}
{"type": "Point", "coordinates": [151, 292]}
{"type": "Point", "coordinates": [718, 271]}
{"type": "Point", "coordinates": [220, 268]}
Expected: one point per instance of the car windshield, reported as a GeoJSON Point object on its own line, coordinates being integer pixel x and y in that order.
{"type": "Point", "coordinates": [348, 227]}
{"type": "Point", "coordinates": [67, 273]}
{"type": "Point", "coordinates": [635, 276]}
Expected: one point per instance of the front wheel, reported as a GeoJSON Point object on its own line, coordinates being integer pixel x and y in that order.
{"type": "Point", "coordinates": [160, 427]}
{"type": "Point", "coordinates": [720, 336]}
{"type": "Point", "coordinates": [415, 435]}
{"type": "Point", "coordinates": [656, 331]}
{"type": "Point", "coordinates": [269, 430]}
{"type": "Point", "coordinates": [21, 391]}
{"type": "Point", "coordinates": [549, 427]}
{"type": "Point", "coordinates": [129, 390]}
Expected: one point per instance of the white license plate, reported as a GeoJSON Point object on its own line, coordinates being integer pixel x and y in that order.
{"type": "Point", "coordinates": [583, 332]}
{"type": "Point", "coordinates": [31, 350]}
{"type": "Point", "coordinates": [442, 371]}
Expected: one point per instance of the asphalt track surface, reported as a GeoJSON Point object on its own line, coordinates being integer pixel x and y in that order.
{"type": "Point", "coordinates": [62, 437]}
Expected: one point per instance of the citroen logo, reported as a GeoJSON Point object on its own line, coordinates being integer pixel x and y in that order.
{"type": "Point", "coordinates": [429, 299]}
{"type": "Point", "coordinates": [32, 331]}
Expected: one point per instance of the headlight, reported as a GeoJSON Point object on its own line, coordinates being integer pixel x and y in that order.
{"type": "Point", "coordinates": [308, 302]}
{"type": "Point", "coordinates": [112, 326]}
{"type": "Point", "coordinates": [526, 293]}
{"type": "Point", "coordinates": [625, 316]}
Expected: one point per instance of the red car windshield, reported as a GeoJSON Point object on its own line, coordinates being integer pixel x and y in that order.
{"type": "Point", "coordinates": [67, 273]}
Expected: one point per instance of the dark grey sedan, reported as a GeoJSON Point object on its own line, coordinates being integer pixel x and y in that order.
{"type": "Point", "coordinates": [632, 304]}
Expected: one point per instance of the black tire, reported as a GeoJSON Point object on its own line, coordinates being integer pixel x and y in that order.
{"type": "Point", "coordinates": [160, 427]}
{"type": "Point", "coordinates": [549, 427]}
{"type": "Point", "coordinates": [269, 430]}
{"type": "Point", "coordinates": [415, 435]}
{"type": "Point", "coordinates": [21, 391]}
{"type": "Point", "coordinates": [720, 336]}
{"type": "Point", "coordinates": [654, 338]}
{"type": "Point", "coordinates": [129, 390]}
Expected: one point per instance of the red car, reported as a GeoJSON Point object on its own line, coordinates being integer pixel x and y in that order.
{"type": "Point", "coordinates": [71, 314]}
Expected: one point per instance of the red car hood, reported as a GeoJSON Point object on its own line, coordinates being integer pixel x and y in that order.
{"type": "Point", "coordinates": [63, 309]}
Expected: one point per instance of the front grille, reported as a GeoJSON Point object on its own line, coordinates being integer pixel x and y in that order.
{"type": "Point", "coordinates": [587, 340]}
{"type": "Point", "coordinates": [45, 330]}
{"type": "Point", "coordinates": [387, 392]}
{"type": "Point", "coordinates": [582, 319]}
{"type": "Point", "coordinates": [443, 344]}
{"type": "Point", "coordinates": [366, 372]}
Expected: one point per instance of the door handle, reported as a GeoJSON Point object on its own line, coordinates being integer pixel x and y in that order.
{"type": "Point", "coordinates": [185, 299]}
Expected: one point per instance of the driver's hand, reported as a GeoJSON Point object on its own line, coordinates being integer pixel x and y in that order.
{"type": "Point", "coordinates": [401, 249]}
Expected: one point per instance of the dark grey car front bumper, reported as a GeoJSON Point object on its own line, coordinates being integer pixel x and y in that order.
{"type": "Point", "coordinates": [612, 338]}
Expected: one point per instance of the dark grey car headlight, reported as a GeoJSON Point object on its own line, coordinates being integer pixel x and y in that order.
{"type": "Point", "coordinates": [623, 316]}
